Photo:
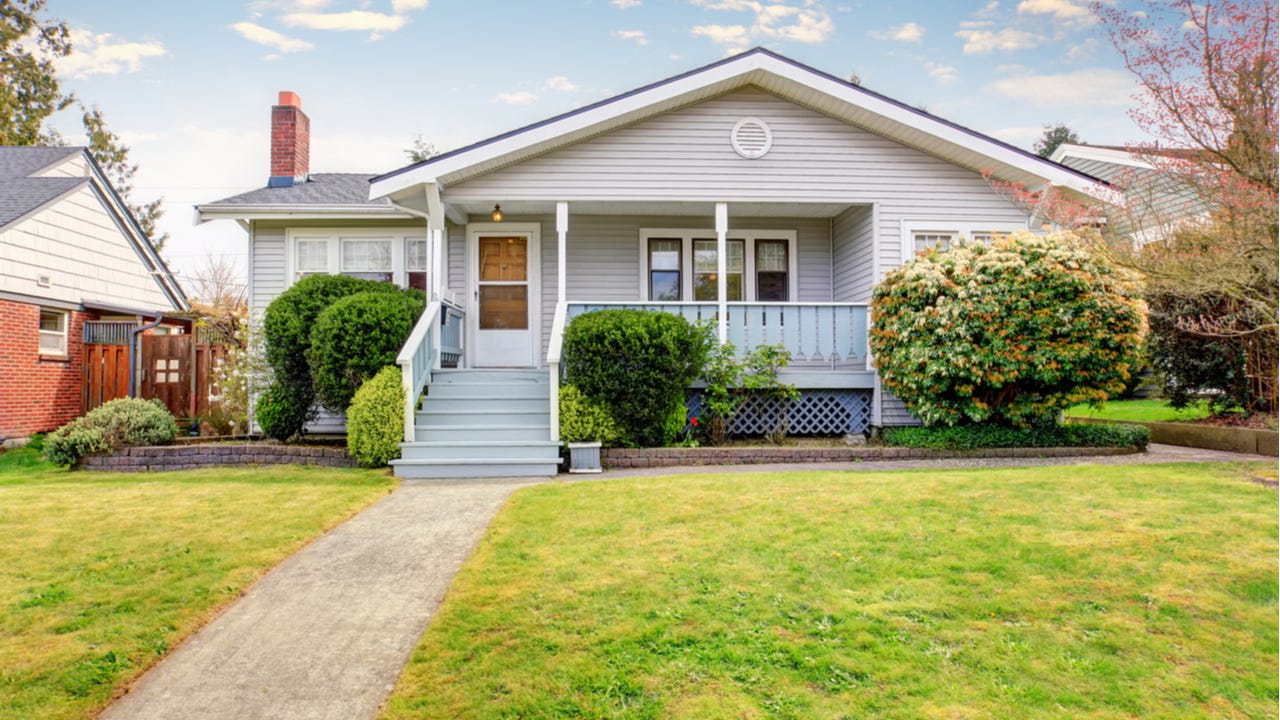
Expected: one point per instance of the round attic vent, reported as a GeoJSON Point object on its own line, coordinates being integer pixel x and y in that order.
{"type": "Point", "coordinates": [751, 138]}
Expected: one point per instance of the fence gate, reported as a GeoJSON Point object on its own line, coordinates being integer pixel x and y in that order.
{"type": "Point", "coordinates": [106, 363]}
{"type": "Point", "coordinates": [167, 371]}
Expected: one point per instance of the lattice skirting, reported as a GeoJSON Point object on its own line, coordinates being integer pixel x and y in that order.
{"type": "Point", "coordinates": [817, 412]}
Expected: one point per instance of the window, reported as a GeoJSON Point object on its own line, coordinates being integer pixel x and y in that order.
{"type": "Point", "coordinates": [680, 264]}
{"type": "Point", "coordinates": [920, 236]}
{"type": "Point", "coordinates": [664, 269]}
{"type": "Point", "coordinates": [53, 332]}
{"type": "Point", "coordinates": [384, 255]}
{"type": "Point", "coordinates": [367, 259]}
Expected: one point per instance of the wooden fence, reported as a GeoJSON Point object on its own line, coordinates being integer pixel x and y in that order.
{"type": "Point", "coordinates": [178, 370]}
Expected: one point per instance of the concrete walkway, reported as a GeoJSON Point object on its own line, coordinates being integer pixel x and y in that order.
{"type": "Point", "coordinates": [326, 634]}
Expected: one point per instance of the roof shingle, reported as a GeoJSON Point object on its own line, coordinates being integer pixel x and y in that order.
{"type": "Point", "coordinates": [319, 189]}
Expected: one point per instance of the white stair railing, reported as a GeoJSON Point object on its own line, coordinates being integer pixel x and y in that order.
{"type": "Point", "coordinates": [438, 333]}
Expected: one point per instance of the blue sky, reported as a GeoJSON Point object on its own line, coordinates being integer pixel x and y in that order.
{"type": "Point", "coordinates": [189, 85]}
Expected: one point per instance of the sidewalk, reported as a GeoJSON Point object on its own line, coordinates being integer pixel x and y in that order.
{"type": "Point", "coordinates": [326, 634]}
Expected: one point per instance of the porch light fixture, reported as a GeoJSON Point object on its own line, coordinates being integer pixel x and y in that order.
{"type": "Point", "coordinates": [497, 213]}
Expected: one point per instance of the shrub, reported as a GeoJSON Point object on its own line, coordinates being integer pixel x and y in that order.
{"type": "Point", "coordinates": [637, 364]}
{"type": "Point", "coordinates": [1012, 332]}
{"type": "Point", "coordinates": [729, 379]}
{"type": "Point", "coordinates": [283, 411]}
{"type": "Point", "coordinates": [117, 424]}
{"type": "Point", "coordinates": [355, 338]}
{"type": "Point", "coordinates": [582, 420]}
{"type": "Point", "coordinates": [287, 328]}
{"type": "Point", "coordinates": [375, 423]}
{"type": "Point", "coordinates": [1193, 364]}
{"type": "Point", "coordinates": [969, 437]}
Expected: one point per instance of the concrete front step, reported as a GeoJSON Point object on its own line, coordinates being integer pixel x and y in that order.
{"type": "Point", "coordinates": [487, 405]}
{"type": "Point", "coordinates": [475, 468]}
{"type": "Point", "coordinates": [482, 376]}
{"type": "Point", "coordinates": [497, 389]}
{"type": "Point", "coordinates": [497, 450]}
{"type": "Point", "coordinates": [464, 433]}
{"type": "Point", "coordinates": [469, 416]}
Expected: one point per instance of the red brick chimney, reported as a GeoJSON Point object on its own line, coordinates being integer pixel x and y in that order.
{"type": "Point", "coordinates": [290, 142]}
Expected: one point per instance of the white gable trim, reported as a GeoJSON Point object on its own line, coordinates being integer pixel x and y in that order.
{"type": "Point", "coordinates": [771, 72]}
{"type": "Point", "coordinates": [1107, 155]}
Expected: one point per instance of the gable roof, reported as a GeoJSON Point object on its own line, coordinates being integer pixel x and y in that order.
{"type": "Point", "coordinates": [771, 72]}
{"type": "Point", "coordinates": [24, 192]}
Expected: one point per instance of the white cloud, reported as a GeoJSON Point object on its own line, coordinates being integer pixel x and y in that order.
{"type": "Point", "coordinates": [907, 32]}
{"type": "Point", "coordinates": [1022, 136]}
{"type": "Point", "coordinates": [359, 20]}
{"type": "Point", "coordinates": [272, 39]}
{"type": "Point", "coordinates": [636, 35]}
{"type": "Point", "coordinates": [400, 7]}
{"type": "Point", "coordinates": [806, 23]}
{"type": "Point", "coordinates": [522, 97]}
{"type": "Point", "coordinates": [1069, 12]}
{"type": "Point", "coordinates": [103, 54]}
{"type": "Point", "coordinates": [1082, 88]}
{"type": "Point", "coordinates": [1085, 51]}
{"type": "Point", "coordinates": [984, 42]}
{"type": "Point", "coordinates": [624, 4]}
{"type": "Point", "coordinates": [561, 83]}
{"type": "Point", "coordinates": [944, 74]}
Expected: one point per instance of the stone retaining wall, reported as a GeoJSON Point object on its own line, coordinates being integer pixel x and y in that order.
{"type": "Point", "coordinates": [191, 457]}
{"type": "Point", "coordinates": [670, 457]}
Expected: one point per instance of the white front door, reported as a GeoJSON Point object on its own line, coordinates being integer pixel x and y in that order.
{"type": "Point", "coordinates": [504, 297]}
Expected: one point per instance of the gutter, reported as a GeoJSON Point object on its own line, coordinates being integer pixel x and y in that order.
{"type": "Point", "coordinates": [206, 213]}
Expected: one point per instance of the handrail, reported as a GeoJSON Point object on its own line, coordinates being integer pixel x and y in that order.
{"type": "Point", "coordinates": [555, 348]}
{"type": "Point", "coordinates": [416, 359]}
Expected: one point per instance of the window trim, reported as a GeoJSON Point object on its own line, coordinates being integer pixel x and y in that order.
{"type": "Point", "coordinates": [748, 236]}
{"type": "Point", "coordinates": [64, 334]}
{"type": "Point", "coordinates": [962, 229]}
{"type": "Point", "coordinates": [334, 237]}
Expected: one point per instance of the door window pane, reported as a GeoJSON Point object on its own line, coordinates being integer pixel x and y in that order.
{"type": "Point", "coordinates": [503, 259]}
{"type": "Point", "coordinates": [504, 307]}
{"type": "Point", "coordinates": [772, 271]}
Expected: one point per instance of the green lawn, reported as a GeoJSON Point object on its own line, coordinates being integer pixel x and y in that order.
{"type": "Point", "coordinates": [1064, 592]}
{"type": "Point", "coordinates": [1142, 411]}
{"type": "Point", "coordinates": [100, 574]}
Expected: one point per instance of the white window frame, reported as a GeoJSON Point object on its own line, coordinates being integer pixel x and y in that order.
{"type": "Point", "coordinates": [334, 238]}
{"type": "Point", "coordinates": [687, 236]}
{"type": "Point", "coordinates": [62, 334]}
{"type": "Point", "coordinates": [963, 231]}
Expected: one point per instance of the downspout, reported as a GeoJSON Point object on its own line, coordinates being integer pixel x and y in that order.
{"type": "Point", "coordinates": [133, 345]}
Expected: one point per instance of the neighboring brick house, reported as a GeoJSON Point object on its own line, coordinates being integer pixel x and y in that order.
{"type": "Point", "coordinates": [70, 252]}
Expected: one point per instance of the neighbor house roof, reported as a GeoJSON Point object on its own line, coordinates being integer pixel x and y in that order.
{"type": "Point", "coordinates": [773, 73]}
{"type": "Point", "coordinates": [24, 191]}
{"type": "Point", "coordinates": [320, 194]}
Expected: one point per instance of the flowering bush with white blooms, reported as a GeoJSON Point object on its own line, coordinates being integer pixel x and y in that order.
{"type": "Point", "coordinates": [1011, 332]}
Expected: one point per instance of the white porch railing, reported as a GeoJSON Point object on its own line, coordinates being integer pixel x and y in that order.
{"type": "Point", "coordinates": [437, 336]}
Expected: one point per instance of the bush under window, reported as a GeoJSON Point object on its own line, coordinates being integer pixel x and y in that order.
{"type": "Point", "coordinates": [375, 422]}
{"type": "Point", "coordinates": [356, 337]}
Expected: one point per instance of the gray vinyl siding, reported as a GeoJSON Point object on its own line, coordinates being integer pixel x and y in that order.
{"type": "Point", "coordinates": [456, 242]}
{"type": "Point", "coordinates": [268, 267]}
{"type": "Point", "coordinates": [893, 412]}
{"type": "Point", "coordinates": [853, 244]}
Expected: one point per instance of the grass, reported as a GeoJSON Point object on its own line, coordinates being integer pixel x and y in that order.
{"type": "Point", "coordinates": [101, 574]}
{"type": "Point", "coordinates": [1089, 591]}
{"type": "Point", "coordinates": [1142, 411]}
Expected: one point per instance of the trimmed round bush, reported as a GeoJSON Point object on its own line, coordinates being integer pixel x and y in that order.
{"type": "Point", "coordinates": [283, 411]}
{"type": "Point", "coordinates": [287, 328]}
{"type": "Point", "coordinates": [375, 422]}
{"type": "Point", "coordinates": [120, 423]}
{"type": "Point", "coordinates": [1011, 333]}
{"type": "Point", "coordinates": [354, 338]}
{"type": "Point", "coordinates": [583, 420]}
{"type": "Point", "coordinates": [637, 364]}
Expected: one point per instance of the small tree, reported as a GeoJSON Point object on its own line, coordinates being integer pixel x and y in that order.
{"type": "Point", "coordinates": [1054, 135]}
{"type": "Point", "coordinates": [1011, 333]}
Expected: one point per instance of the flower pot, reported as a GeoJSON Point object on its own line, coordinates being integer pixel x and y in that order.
{"type": "Point", "coordinates": [584, 457]}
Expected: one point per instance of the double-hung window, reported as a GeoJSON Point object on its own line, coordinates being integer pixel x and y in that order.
{"type": "Point", "coordinates": [685, 265]}
{"type": "Point", "coordinates": [388, 256]}
{"type": "Point", "coordinates": [53, 331]}
{"type": "Point", "coordinates": [921, 236]}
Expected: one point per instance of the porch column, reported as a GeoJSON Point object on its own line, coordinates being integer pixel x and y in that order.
{"type": "Point", "coordinates": [722, 266]}
{"type": "Point", "coordinates": [435, 264]}
{"type": "Point", "coordinates": [562, 229]}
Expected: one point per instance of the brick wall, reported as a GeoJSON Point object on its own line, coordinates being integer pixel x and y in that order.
{"type": "Point", "coordinates": [290, 138]}
{"type": "Point", "coordinates": [37, 393]}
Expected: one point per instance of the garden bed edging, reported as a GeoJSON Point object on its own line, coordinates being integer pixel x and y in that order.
{"type": "Point", "coordinates": [193, 456]}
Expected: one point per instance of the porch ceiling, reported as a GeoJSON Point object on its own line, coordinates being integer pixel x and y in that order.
{"type": "Point", "coordinates": [658, 208]}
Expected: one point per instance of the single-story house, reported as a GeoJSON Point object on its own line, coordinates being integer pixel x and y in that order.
{"type": "Point", "coordinates": [71, 253]}
{"type": "Point", "coordinates": [756, 193]}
